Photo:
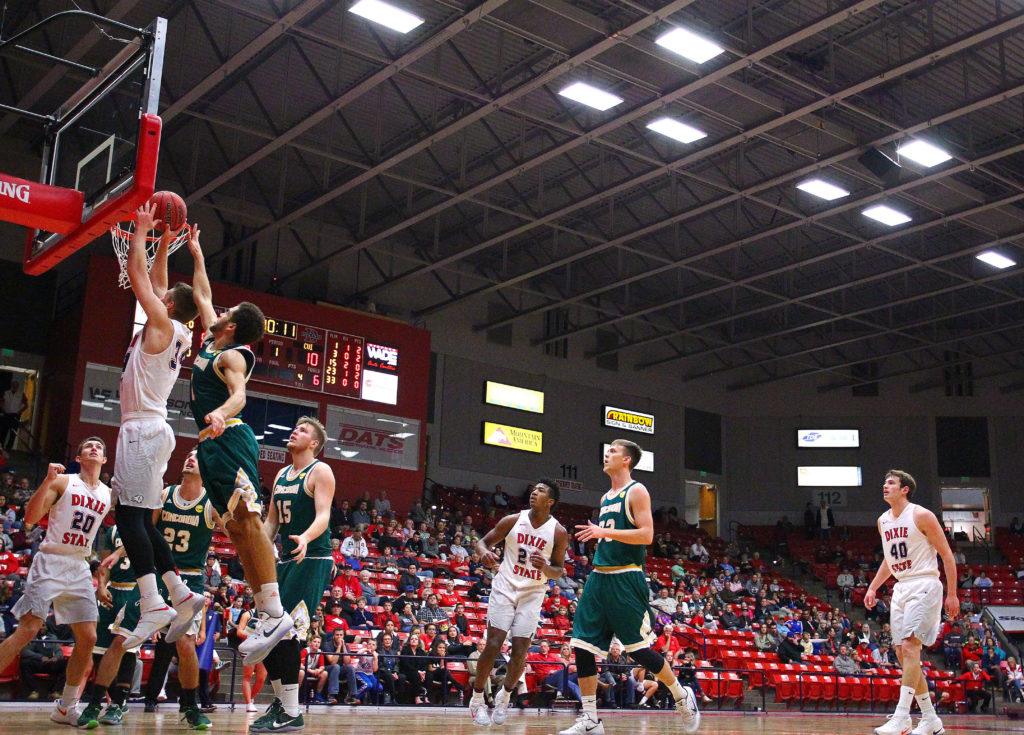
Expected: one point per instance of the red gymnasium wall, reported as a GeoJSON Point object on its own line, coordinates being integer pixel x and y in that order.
{"type": "Point", "coordinates": [106, 329]}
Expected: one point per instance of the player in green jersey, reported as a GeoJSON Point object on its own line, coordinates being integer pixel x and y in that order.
{"type": "Point", "coordinates": [614, 601]}
{"type": "Point", "coordinates": [300, 510]}
{"type": "Point", "coordinates": [228, 453]}
{"type": "Point", "coordinates": [187, 520]}
{"type": "Point", "coordinates": [118, 595]}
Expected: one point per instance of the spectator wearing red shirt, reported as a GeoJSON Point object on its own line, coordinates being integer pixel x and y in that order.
{"type": "Point", "coordinates": [351, 589]}
{"type": "Point", "coordinates": [334, 619]}
{"type": "Point", "coordinates": [667, 644]}
{"type": "Point", "coordinates": [544, 662]}
{"type": "Point", "coordinates": [9, 564]}
{"type": "Point", "coordinates": [339, 558]}
{"type": "Point", "coordinates": [975, 683]}
{"type": "Point", "coordinates": [448, 598]}
{"type": "Point", "coordinates": [561, 619]}
{"type": "Point", "coordinates": [555, 601]}
{"type": "Point", "coordinates": [385, 615]}
{"type": "Point", "coordinates": [971, 652]}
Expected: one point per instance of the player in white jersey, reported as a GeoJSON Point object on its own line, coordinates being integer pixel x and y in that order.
{"type": "Point", "coordinates": [911, 539]}
{"type": "Point", "coordinates": [146, 441]}
{"type": "Point", "coordinates": [534, 553]}
{"type": "Point", "coordinates": [75, 506]}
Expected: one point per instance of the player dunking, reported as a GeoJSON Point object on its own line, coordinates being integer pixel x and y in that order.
{"type": "Point", "coordinates": [534, 553]}
{"type": "Point", "coordinates": [614, 598]}
{"type": "Point", "coordinates": [145, 441]}
{"type": "Point", "coordinates": [228, 452]}
{"type": "Point", "coordinates": [76, 505]}
{"type": "Point", "coordinates": [300, 511]}
{"type": "Point", "coordinates": [911, 539]}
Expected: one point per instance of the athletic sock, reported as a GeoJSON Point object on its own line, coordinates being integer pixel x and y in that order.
{"type": "Point", "coordinates": [99, 695]}
{"type": "Point", "coordinates": [677, 690]}
{"type": "Point", "coordinates": [268, 600]}
{"type": "Point", "coordinates": [478, 697]}
{"type": "Point", "coordinates": [290, 699]}
{"type": "Point", "coordinates": [906, 699]}
{"type": "Point", "coordinates": [924, 701]}
{"type": "Point", "coordinates": [70, 696]}
{"type": "Point", "coordinates": [502, 695]}
{"type": "Point", "coordinates": [175, 586]}
{"type": "Point", "coordinates": [187, 699]}
{"type": "Point", "coordinates": [150, 598]}
{"type": "Point", "coordinates": [589, 705]}
{"type": "Point", "coordinates": [275, 684]}
{"type": "Point", "coordinates": [119, 695]}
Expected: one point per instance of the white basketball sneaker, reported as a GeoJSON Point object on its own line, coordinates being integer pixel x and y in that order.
{"type": "Point", "coordinates": [263, 639]}
{"type": "Point", "coordinates": [686, 705]}
{"type": "Point", "coordinates": [185, 612]}
{"type": "Point", "coordinates": [478, 711]}
{"type": "Point", "coordinates": [585, 725]}
{"type": "Point", "coordinates": [149, 623]}
{"type": "Point", "coordinates": [900, 725]}
{"type": "Point", "coordinates": [64, 715]}
{"type": "Point", "coordinates": [500, 713]}
{"type": "Point", "coordinates": [928, 726]}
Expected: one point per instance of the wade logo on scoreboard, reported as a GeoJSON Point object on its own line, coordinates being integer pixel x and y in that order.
{"type": "Point", "coordinates": [381, 357]}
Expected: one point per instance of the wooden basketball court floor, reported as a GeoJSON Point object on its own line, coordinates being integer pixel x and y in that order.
{"type": "Point", "coordinates": [34, 718]}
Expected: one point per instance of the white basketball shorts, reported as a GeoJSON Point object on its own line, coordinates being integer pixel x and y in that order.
{"type": "Point", "coordinates": [516, 615]}
{"type": "Point", "coordinates": [916, 610]}
{"type": "Point", "coordinates": [65, 582]}
{"type": "Point", "coordinates": [143, 448]}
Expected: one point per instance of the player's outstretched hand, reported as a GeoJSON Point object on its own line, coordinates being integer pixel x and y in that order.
{"type": "Point", "coordinates": [300, 549]}
{"type": "Point", "coordinates": [110, 561]}
{"type": "Point", "coordinates": [193, 242]}
{"type": "Point", "coordinates": [217, 422]}
{"type": "Point", "coordinates": [589, 530]}
{"type": "Point", "coordinates": [537, 560]}
{"type": "Point", "coordinates": [145, 217]}
{"type": "Point", "coordinates": [55, 469]}
{"type": "Point", "coordinates": [952, 605]}
{"type": "Point", "coordinates": [104, 597]}
{"type": "Point", "coordinates": [490, 559]}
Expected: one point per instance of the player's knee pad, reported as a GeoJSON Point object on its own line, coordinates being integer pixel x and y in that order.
{"type": "Point", "coordinates": [586, 664]}
{"type": "Point", "coordinates": [647, 658]}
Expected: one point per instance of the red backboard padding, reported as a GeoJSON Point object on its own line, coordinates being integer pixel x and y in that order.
{"type": "Point", "coordinates": [39, 205]}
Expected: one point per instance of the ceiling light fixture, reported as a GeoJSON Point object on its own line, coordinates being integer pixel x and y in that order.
{"type": "Point", "coordinates": [997, 260]}
{"type": "Point", "coordinates": [676, 130]}
{"type": "Point", "coordinates": [590, 96]}
{"type": "Point", "coordinates": [387, 15]}
{"type": "Point", "coordinates": [924, 153]}
{"type": "Point", "coordinates": [886, 215]}
{"type": "Point", "coordinates": [822, 189]}
{"type": "Point", "coordinates": [689, 45]}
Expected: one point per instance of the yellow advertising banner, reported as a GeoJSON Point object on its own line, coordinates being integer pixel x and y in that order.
{"type": "Point", "coordinates": [513, 437]}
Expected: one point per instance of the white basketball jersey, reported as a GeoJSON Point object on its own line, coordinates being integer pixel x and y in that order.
{"type": "Point", "coordinates": [147, 380]}
{"type": "Point", "coordinates": [908, 552]}
{"type": "Point", "coordinates": [516, 574]}
{"type": "Point", "coordinates": [75, 518]}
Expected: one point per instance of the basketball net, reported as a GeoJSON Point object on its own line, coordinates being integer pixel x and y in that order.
{"type": "Point", "coordinates": [121, 233]}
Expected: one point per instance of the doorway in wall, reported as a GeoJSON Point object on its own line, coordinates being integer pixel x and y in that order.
{"type": "Point", "coordinates": [965, 515]}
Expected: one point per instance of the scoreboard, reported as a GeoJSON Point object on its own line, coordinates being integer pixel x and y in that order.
{"type": "Point", "coordinates": [324, 361]}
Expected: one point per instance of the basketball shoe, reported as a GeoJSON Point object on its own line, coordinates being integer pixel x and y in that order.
{"type": "Point", "coordinates": [196, 720]}
{"type": "Point", "coordinates": [897, 725]}
{"type": "Point", "coordinates": [263, 722]}
{"type": "Point", "coordinates": [500, 713]}
{"type": "Point", "coordinates": [186, 612]}
{"type": "Point", "coordinates": [478, 711]}
{"type": "Point", "coordinates": [686, 705]}
{"type": "Point", "coordinates": [585, 726]}
{"type": "Point", "coordinates": [149, 623]}
{"type": "Point", "coordinates": [266, 635]}
{"type": "Point", "coordinates": [64, 715]}
{"type": "Point", "coordinates": [113, 715]}
{"type": "Point", "coordinates": [928, 726]}
{"type": "Point", "coordinates": [90, 718]}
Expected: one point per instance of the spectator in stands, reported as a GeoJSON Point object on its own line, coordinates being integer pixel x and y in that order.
{"type": "Point", "coordinates": [431, 612]}
{"type": "Point", "coordinates": [554, 601]}
{"type": "Point", "coordinates": [367, 589]}
{"type": "Point", "coordinates": [382, 505]}
{"type": "Point", "coordinates": [806, 644]}
{"type": "Point", "coordinates": [663, 602]}
{"type": "Point", "coordinates": [430, 547]}
{"type": "Point", "coordinates": [971, 651]}
{"type": "Point", "coordinates": [992, 657]}
{"type": "Point", "coordinates": [790, 650]}
{"type": "Point", "coordinates": [448, 598]}
{"type": "Point", "coordinates": [966, 580]}
{"type": "Point", "coordinates": [959, 557]}
{"type": "Point", "coordinates": [844, 664]}
{"type": "Point", "coordinates": [459, 619]}
{"type": "Point", "coordinates": [412, 670]}
{"type": "Point", "coordinates": [1016, 527]}
{"type": "Point", "coordinates": [982, 581]}
{"type": "Point", "coordinates": [407, 618]}
{"type": "Point", "coordinates": [417, 514]}
{"type": "Point", "coordinates": [613, 679]}
{"type": "Point", "coordinates": [883, 655]}
{"type": "Point", "coordinates": [43, 663]}
{"type": "Point", "coordinates": [341, 518]}
{"type": "Point", "coordinates": [315, 668]}
{"type": "Point", "coordinates": [1014, 680]}
{"type": "Point", "coordinates": [831, 644]}
{"type": "Point", "coordinates": [360, 618]}
{"type": "Point", "coordinates": [481, 590]}
{"type": "Point", "coordinates": [885, 635]}
{"type": "Point", "coordinates": [390, 537]}
{"type": "Point", "coordinates": [410, 578]}
{"type": "Point", "coordinates": [845, 583]}
{"type": "Point", "coordinates": [667, 644]}
{"type": "Point", "coordinates": [953, 646]}
{"type": "Point", "coordinates": [698, 552]}
{"type": "Point", "coordinates": [825, 521]}
{"type": "Point", "coordinates": [809, 520]}
{"type": "Point", "coordinates": [975, 683]}
{"type": "Point", "coordinates": [387, 665]}
{"type": "Point", "coordinates": [211, 573]}
{"type": "Point", "coordinates": [340, 669]}
{"type": "Point", "coordinates": [361, 516]}
{"type": "Point", "coordinates": [355, 550]}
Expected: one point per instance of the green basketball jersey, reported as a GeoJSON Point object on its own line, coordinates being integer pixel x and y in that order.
{"type": "Point", "coordinates": [188, 527]}
{"type": "Point", "coordinates": [209, 391]}
{"type": "Point", "coordinates": [122, 574]}
{"type": "Point", "coordinates": [615, 513]}
{"type": "Point", "coordinates": [296, 511]}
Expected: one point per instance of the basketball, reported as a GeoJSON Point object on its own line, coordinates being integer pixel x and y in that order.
{"type": "Point", "coordinates": [170, 212]}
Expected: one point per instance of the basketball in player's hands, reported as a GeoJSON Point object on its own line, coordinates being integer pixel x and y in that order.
{"type": "Point", "coordinates": [170, 211]}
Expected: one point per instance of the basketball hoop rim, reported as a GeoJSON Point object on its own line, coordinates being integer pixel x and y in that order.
{"type": "Point", "coordinates": [119, 229]}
